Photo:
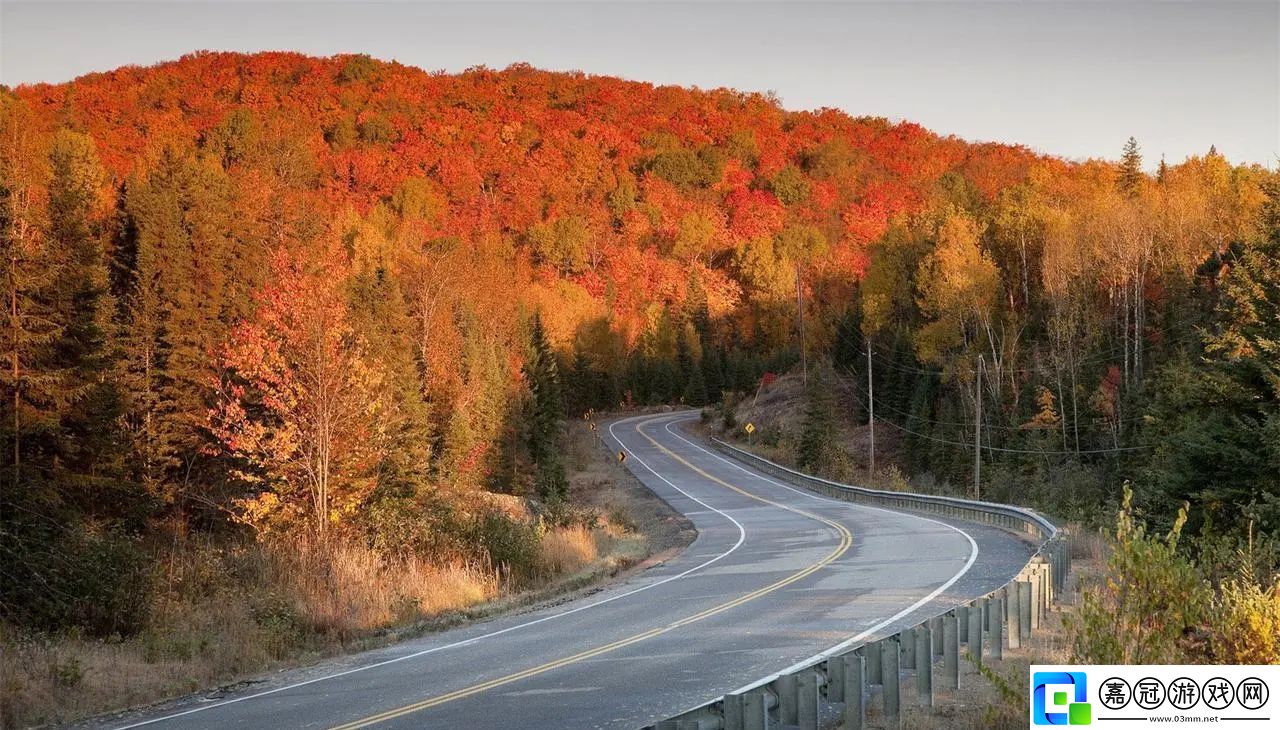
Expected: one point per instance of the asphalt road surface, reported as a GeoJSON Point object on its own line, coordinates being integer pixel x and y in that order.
{"type": "Point", "coordinates": [776, 575]}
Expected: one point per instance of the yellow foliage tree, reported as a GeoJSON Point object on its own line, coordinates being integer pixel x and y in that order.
{"type": "Point", "coordinates": [959, 289]}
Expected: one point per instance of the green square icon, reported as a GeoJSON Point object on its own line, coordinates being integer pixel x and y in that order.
{"type": "Point", "coordinates": [1079, 713]}
{"type": "Point", "coordinates": [1059, 698]}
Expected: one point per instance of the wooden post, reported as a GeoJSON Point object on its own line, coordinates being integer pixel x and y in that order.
{"type": "Point", "coordinates": [871, 411]}
{"type": "Point", "coordinates": [977, 434]}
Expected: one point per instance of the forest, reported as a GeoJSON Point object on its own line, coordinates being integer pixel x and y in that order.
{"type": "Point", "coordinates": [275, 299]}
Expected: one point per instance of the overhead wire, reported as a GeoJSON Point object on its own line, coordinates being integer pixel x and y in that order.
{"type": "Point", "coordinates": [1000, 449]}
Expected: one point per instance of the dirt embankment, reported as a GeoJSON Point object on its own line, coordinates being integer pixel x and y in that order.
{"type": "Point", "coordinates": [777, 411]}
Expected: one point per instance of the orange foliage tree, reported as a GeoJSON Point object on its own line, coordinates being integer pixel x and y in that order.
{"type": "Point", "coordinates": [299, 403]}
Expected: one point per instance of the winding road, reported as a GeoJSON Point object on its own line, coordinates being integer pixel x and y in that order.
{"type": "Point", "coordinates": [776, 575]}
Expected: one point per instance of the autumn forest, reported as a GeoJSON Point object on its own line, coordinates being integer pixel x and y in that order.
{"type": "Point", "coordinates": [271, 299]}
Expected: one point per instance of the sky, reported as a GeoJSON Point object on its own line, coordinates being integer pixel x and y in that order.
{"type": "Point", "coordinates": [1074, 79]}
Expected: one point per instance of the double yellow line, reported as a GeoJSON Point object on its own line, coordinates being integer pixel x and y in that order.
{"type": "Point", "coordinates": [846, 539]}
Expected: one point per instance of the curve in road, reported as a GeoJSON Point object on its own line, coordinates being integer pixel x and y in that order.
{"type": "Point", "coordinates": [768, 582]}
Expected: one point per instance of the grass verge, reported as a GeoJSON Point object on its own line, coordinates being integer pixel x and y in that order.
{"type": "Point", "coordinates": [226, 612]}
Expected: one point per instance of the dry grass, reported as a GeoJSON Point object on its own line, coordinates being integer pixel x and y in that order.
{"type": "Point", "coordinates": [223, 613]}
{"type": "Point", "coordinates": [347, 589]}
{"type": "Point", "coordinates": [568, 550]}
{"type": "Point", "coordinates": [226, 610]}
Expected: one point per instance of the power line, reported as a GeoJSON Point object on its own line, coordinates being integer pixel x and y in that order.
{"type": "Point", "coordinates": [1100, 357]}
{"type": "Point", "coordinates": [1002, 449]}
{"type": "Point", "coordinates": [851, 383]}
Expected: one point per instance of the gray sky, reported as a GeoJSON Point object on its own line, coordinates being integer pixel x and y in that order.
{"type": "Point", "coordinates": [1068, 78]}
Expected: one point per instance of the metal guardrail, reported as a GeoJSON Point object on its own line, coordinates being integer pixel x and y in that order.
{"type": "Point", "coordinates": [840, 678]}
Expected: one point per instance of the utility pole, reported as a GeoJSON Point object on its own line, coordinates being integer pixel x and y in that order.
{"type": "Point", "coordinates": [804, 365]}
{"type": "Point", "coordinates": [871, 410]}
{"type": "Point", "coordinates": [977, 434]}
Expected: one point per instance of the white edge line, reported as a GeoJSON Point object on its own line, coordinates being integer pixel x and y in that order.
{"type": "Point", "coordinates": [973, 557]}
{"type": "Point", "coordinates": [742, 535]}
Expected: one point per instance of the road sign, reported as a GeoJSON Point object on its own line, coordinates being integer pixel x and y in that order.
{"type": "Point", "coordinates": [750, 428]}
{"type": "Point", "coordinates": [622, 456]}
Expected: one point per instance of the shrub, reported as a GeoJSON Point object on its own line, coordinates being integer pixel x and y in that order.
{"type": "Point", "coordinates": [512, 547]}
{"type": "Point", "coordinates": [98, 582]}
{"type": "Point", "coordinates": [1245, 625]}
{"type": "Point", "coordinates": [1150, 597]}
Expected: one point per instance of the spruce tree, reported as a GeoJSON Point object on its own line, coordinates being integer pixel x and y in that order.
{"type": "Point", "coordinates": [32, 389]}
{"type": "Point", "coordinates": [713, 375]}
{"type": "Point", "coordinates": [82, 354]}
{"type": "Point", "coordinates": [1129, 180]}
{"type": "Point", "coordinates": [819, 431]}
{"type": "Point", "coordinates": [544, 414]}
{"type": "Point", "coordinates": [179, 306]}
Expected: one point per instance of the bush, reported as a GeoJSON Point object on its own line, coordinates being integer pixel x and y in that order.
{"type": "Point", "coordinates": [65, 578]}
{"type": "Point", "coordinates": [512, 547]}
{"type": "Point", "coordinates": [1246, 620]}
{"type": "Point", "coordinates": [1150, 598]}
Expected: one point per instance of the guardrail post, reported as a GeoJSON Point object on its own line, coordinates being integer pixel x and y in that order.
{"type": "Point", "coordinates": [788, 699]}
{"type": "Point", "coordinates": [807, 693]}
{"type": "Point", "coordinates": [1066, 559]}
{"type": "Point", "coordinates": [997, 627]}
{"type": "Point", "coordinates": [734, 709]}
{"type": "Point", "coordinates": [908, 649]}
{"type": "Point", "coordinates": [755, 714]}
{"type": "Point", "coordinates": [1013, 614]}
{"type": "Point", "coordinates": [935, 630]}
{"type": "Point", "coordinates": [874, 675]}
{"type": "Point", "coordinates": [834, 669]}
{"type": "Point", "coordinates": [951, 650]}
{"type": "Point", "coordinates": [924, 667]}
{"type": "Point", "coordinates": [1060, 569]}
{"type": "Point", "coordinates": [1024, 603]}
{"type": "Point", "coordinates": [1050, 588]}
{"type": "Point", "coordinates": [855, 687]}
{"type": "Point", "coordinates": [889, 665]}
{"type": "Point", "coordinates": [962, 617]}
{"type": "Point", "coordinates": [1037, 595]}
{"type": "Point", "coordinates": [975, 631]}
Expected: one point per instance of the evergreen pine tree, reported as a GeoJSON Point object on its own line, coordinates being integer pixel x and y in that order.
{"type": "Point", "coordinates": [82, 352]}
{"type": "Point", "coordinates": [32, 387]}
{"type": "Point", "coordinates": [178, 311]}
{"type": "Point", "coordinates": [713, 375]}
{"type": "Point", "coordinates": [380, 313]}
{"type": "Point", "coordinates": [1129, 180]}
{"type": "Point", "coordinates": [818, 433]}
{"type": "Point", "coordinates": [545, 414]}
{"type": "Point", "coordinates": [695, 388]}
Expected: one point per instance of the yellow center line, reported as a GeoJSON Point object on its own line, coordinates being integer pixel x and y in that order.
{"type": "Point", "coordinates": [846, 539]}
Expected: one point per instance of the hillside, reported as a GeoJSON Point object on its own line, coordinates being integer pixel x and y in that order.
{"type": "Point", "coordinates": [276, 301]}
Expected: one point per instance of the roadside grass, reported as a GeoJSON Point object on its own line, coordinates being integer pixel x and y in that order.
{"type": "Point", "coordinates": [225, 611]}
